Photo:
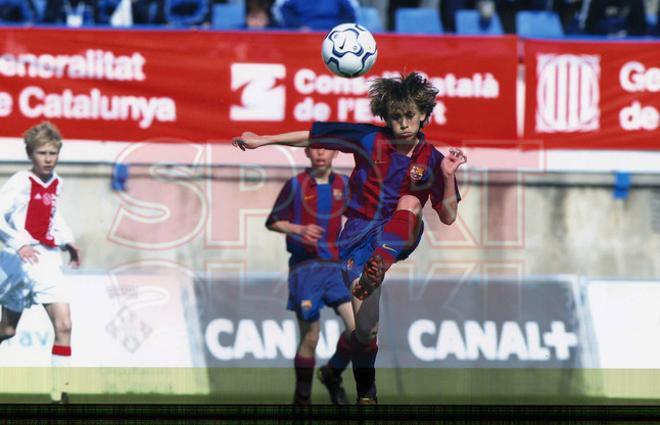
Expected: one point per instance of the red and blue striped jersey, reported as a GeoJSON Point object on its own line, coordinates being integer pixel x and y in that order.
{"type": "Point", "coordinates": [303, 201]}
{"type": "Point", "coordinates": [382, 175]}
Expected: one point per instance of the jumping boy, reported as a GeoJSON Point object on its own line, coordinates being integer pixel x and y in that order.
{"type": "Point", "coordinates": [34, 234]}
{"type": "Point", "coordinates": [396, 171]}
{"type": "Point", "coordinates": [309, 210]}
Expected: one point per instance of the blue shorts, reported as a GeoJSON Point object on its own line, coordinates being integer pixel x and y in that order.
{"type": "Point", "coordinates": [314, 284]}
{"type": "Point", "coordinates": [358, 240]}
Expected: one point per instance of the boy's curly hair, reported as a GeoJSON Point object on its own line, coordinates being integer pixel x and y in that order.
{"type": "Point", "coordinates": [390, 94]}
{"type": "Point", "coordinates": [40, 134]}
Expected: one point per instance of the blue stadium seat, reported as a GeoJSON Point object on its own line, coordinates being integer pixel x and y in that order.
{"type": "Point", "coordinates": [468, 22]}
{"type": "Point", "coordinates": [105, 10]}
{"type": "Point", "coordinates": [538, 24]}
{"type": "Point", "coordinates": [417, 20]}
{"type": "Point", "coordinates": [229, 16]}
{"type": "Point", "coordinates": [119, 177]}
{"type": "Point", "coordinates": [369, 18]}
{"type": "Point", "coordinates": [15, 12]}
{"type": "Point", "coordinates": [186, 12]}
{"type": "Point", "coordinates": [39, 9]}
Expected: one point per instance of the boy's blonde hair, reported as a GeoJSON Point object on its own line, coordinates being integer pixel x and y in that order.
{"type": "Point", "coordinates": [42, 134]}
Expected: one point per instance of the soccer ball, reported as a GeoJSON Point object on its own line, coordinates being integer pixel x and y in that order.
{"type": "Point", "coordinates": [349, 50]}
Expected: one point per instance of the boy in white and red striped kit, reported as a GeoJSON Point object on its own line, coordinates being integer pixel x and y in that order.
{"type": "Point", "coordinates": [34, 234]}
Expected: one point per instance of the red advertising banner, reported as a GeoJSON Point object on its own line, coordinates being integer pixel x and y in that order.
{"type": "Point", "coordinates": [209, 86]}
{"type": "Point", "coordinates": [593, 95]}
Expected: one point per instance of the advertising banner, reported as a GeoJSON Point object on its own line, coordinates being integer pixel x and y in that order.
{"type": "Point", "coordinates": [593, 95]}
{"type": "Point", "coordinates": [437, 324]}
{"type": "Point", "coordinates": [130, 334]}
{"type": "Point", "coordinates": [121, 320]}
{"type": "Point", "coordinates": [629, 338]}
{"type": "Point", "coordinates": [209, 86]}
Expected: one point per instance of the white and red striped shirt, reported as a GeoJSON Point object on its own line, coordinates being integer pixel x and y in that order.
{"type": "Point", "coordinates": [29, 213]}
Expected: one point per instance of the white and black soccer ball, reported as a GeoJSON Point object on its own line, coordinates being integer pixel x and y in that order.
{"type": "Point", "coordinates": [349, 50]}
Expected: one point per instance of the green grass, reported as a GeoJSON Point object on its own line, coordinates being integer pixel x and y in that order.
{"type": "Point", "coordinates": [396, 386]}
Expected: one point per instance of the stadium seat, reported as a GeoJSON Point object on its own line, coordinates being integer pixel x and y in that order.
{"type": "Point", "coordinates": [369, 18]}
{"type": "Point", "coordinates": [105, 10]}
{"type": "Point", "coordinates": [15, 12]}
{"type": "Point", "coordinates": [119, 177]}
{"type": "Point", "coordinates": [39, 9]}
{"type": "Point", "coordinates": [186, 12]}
{"type": "Point", "coordinates": [468, 22]}
{"type": "Point", "coordinates": [417, 20]}
{"type": "Point", "coordinates": [230, 16]}
{"type": "Point", "coordinates": [538, 24]}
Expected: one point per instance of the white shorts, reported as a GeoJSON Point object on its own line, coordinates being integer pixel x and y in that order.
{"type": "Point", "coordinates": [23, 284]}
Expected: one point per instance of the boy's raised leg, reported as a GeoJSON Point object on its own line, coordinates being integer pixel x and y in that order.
{"type": "Point", "coordinates": [397, 236]}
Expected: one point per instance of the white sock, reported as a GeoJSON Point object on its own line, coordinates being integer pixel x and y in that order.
{"type": "Point", "coordinates": [61, 361]}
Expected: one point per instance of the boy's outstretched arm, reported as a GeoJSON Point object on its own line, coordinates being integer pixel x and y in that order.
{"type": "Point", "coordinates": [249, 140]}
{"type": "Point", "coordinates": [449, 206]}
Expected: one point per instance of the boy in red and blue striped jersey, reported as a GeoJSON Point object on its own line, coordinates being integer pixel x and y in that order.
{"type": "Point", "coordinates": [309, 210]}
{"type": "Point", "coordinates": [396, 172]}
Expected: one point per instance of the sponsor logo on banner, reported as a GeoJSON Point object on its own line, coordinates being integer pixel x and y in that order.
{"type": "Point", "coordinates": [452, 324]}
{"type": "Point", "coordinates": [262, 98]}
{"type": "Point", "coordinates": [94, 85]}
{"type": "Point", "coordinates": [635, 77]}
{"type": "Point", "coordinates": [255, 341]}
{"type": "Point", "coordinates": [90, 98]}
{"type": "Point", "coordinates": [568, 93]}
{"type": "Point", "coordinates": [481, 341]}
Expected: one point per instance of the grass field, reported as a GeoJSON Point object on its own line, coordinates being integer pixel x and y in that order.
{"type": "Point", "coordinates": [395, 386]}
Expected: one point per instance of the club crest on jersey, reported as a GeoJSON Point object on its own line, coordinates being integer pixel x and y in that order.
{"type": "Point", "coordinates": [349, 264]}
{"type": "Point", "coordinates": [417, 172]}
{"type": "Point", "coordinates": [49, 199]}
{"type": "Point", "coordinates": [306, 304]}
{"type": "Point", "coordinates": [337, 194]}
